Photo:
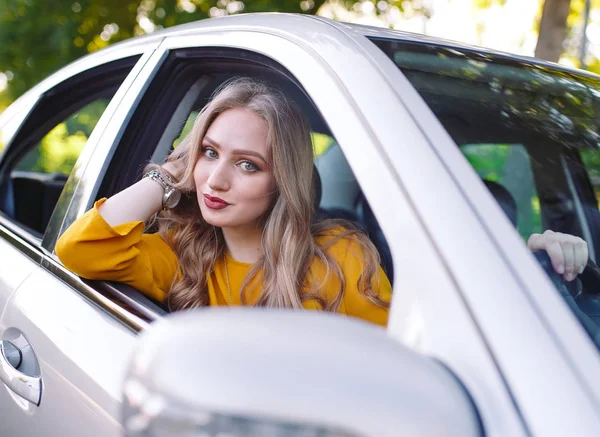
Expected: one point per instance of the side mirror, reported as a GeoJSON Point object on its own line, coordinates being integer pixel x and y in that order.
{"type": "Point", "coordinates": [263, 373]}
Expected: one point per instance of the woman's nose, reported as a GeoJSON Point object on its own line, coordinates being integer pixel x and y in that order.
{"type": "Point", "coordinates": [219, 178]}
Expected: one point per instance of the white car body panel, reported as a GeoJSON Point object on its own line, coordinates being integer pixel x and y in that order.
{"type": "Point", "coordinates": [83, 354]}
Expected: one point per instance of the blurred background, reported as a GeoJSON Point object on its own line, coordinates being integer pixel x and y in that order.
{"type": "Point", "coordinates": [37, 37]}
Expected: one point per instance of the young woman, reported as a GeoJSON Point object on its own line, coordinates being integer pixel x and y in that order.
{"type": "Point", "coordinates": [244, 230]}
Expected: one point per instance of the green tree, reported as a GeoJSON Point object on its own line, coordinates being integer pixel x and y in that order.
{"type": "Point", "coordinates": [38, 37]}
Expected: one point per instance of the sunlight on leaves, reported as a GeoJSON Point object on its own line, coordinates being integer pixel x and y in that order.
{"type": "Point", "coordinates": [321, 143]}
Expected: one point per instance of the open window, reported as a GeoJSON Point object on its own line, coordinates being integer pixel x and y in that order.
{"type": "Point", "coordinates": [42, 154]}
{"type": "Point", "coordinates": [185, 84]}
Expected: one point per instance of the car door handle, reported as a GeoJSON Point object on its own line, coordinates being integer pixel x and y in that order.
{"type": "Point", "coordinates": [28, 387]}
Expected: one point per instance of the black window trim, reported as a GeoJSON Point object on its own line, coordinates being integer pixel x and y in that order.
{"type": "Point", "coordinates": [87, 83]}
{"type": "Point", "coordinates": [36, 124]}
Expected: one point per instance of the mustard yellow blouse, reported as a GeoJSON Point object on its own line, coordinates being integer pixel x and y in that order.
{"type": "Point", "coordinates": [93, 249]}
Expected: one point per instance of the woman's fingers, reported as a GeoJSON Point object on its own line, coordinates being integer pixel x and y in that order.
{"type": "Point", "coordinates": [568, 253]}
{"type": "Point", "coordinates": [581, 255]}
{"type": "Point", "coordinates": [569, 257]}
{"type": "Point", "coordinates": [548, 242]}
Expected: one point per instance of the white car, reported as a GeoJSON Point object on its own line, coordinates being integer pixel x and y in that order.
{"type": "Point", "coordinates": [447, 155]}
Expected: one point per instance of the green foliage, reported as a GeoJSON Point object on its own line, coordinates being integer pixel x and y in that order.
{"type": "Point", "coordinates": [37, 37]}
{"type": "Point", "coordinates": [321, 143]}
{"type": "Point", "coordinates": [487, 159]}
{"type": "Point", "coordinates": [591, 161]}
{"type": "Point", "coordinates": [492, 162]}
{"type": "Point", "coordinates": [187, 128]}
{"type": "Point", "coordinates": [484, 4]}
{"type": "Point", "coordinates": [59, 150]}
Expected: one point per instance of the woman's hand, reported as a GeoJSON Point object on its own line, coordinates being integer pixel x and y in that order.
{"type": "Point", "coordinates": [175, 169]}
{"type": "Point", "coordinates": [569, 254]}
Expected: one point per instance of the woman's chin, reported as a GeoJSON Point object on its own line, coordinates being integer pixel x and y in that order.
{"type": "Point", "coordinates": [214, 221]}
{"type": "Point", "coordinates": [216, 217]}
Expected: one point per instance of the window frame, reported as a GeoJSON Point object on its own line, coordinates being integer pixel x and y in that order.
{"type": "Point", "coordinates": [69, 95]}
{"type": "Point", "coordinates": [116, 168]}
{"type": "Point", "coordinates": [183, 67]}
{"type": "Point", "coordinates": [17, 117]}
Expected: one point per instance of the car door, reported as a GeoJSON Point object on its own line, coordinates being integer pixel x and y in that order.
{"type": "Point", "coordinates": [14, 268]}
{"type": "Point", "coordinates": [72, 343]}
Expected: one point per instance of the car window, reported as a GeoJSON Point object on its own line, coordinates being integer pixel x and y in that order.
{"type": "Point", "coordinates": [509, 166]}
{"type": "Point", "coordinates": [59, 149]}
{"type": "Point", "coordinates": [152, 134]}
{"type": "Point", "coordinates": [590, 159]}
{"type": "Point", "coordinates": [41, 155]}
{"type": "Point", "coordinates": [531, 133]}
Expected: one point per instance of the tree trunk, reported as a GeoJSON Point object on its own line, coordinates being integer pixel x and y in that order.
{"type": "Point", "coordinates": [553, 30]}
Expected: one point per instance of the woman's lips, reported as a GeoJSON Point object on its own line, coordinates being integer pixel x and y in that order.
{"type": "Point", "coordinates": [214, 202]}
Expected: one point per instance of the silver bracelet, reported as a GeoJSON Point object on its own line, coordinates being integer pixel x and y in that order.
{"type": "Point", "coordinates": [171, 195]}
{"type": "Point", "coordinates": [156, 176]}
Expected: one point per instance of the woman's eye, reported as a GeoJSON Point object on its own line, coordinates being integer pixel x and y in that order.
{"type": "Point", "coordinates": [248, 166]}
{"type": "Point", "coordinates": [210, 153]}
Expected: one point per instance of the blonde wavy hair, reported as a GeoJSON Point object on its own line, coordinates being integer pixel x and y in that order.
{"type": "Point", "coordinates": [288, 239]}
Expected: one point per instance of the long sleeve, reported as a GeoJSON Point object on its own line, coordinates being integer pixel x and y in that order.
{"type": "Point", "coordinates": [92, 249]}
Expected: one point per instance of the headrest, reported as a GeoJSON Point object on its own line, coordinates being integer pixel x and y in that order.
{"type": "Point", "coordinates": [504, 199]}
{"type": "Point", "coordinates": [317, 187]}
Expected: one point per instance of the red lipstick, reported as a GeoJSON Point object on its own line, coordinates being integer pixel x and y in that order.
{"type": "Point", "coordinates": [214, 202]}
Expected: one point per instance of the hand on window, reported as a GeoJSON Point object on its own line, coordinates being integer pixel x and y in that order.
{"type": "Point", "coordinates": [569, 254]}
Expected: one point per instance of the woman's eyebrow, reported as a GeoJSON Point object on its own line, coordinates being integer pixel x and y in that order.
{"type": "Point", "coordinates": [236, 151]}
{"type": "Point", "coordinates": [211, 141]}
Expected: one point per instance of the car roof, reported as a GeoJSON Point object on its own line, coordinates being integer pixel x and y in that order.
{"type": "Point", "coordinates": [299, 26]}
{"type": "Point", "coordinates": [383, 33]}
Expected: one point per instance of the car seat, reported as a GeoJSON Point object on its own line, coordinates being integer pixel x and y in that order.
{"type": "Point", "coordinates": [34, 197]}
{"type": "Point", "coordinates": [340, 196]}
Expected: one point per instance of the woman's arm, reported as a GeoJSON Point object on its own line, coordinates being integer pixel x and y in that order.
{"type": "Point", "coordinates": [108, 242]}
{"type": "Point", "coordinates": [138, 202]}
{"type": "Point", "coordinates": [93, 249]}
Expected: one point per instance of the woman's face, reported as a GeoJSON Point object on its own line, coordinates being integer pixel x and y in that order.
{"type": "Point", "coordinates": [233, 176]}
